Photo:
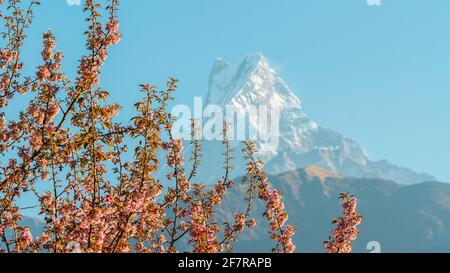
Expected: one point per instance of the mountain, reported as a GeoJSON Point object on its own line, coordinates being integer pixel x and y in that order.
{"type": "Point", "coordinates": [400, 218]}
{"type": "Point", "coordinates": [302, 142]}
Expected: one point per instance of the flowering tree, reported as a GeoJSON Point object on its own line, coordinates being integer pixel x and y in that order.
{"type": "Point", "coordinates": [346, 229]}
{"type": "Point", "coordinates": [67, 140]}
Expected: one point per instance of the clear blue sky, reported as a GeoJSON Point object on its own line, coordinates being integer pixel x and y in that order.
{"type": "Point", "coordinates": [380, 75]}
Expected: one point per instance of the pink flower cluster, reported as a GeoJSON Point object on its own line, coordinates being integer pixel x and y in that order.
{"type": "Point", "coordinates": [277, 217]}
{"type": "Point", "coordinates": [346, 229]}
{"type": "Point", "coordinates": [98, 42]}
{"type": "Point", "coordinates": [114, 36]}
{"type": "Point", "coordinates": [24, 239]}
{"type": "Point", "coordinates": [203, 234]}
{"type": "Point", "coordinates": [7, 57]}
{"type": "Point", "coordinates": [49, 71]}
{"type": "Point", "coordinates": [174, 158]}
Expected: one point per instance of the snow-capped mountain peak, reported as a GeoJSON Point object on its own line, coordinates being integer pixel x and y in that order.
{"type": "Point", "coordinates": [253, 81]}
{"type": "Point", "coordinates": [302, 142]}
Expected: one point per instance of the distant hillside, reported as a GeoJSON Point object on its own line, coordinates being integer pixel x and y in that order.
{"type": "Point", "coordinates": [401, 218]}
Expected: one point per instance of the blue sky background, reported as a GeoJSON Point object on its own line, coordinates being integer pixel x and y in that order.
{"type": "Point", "coordinates": [378, 74]}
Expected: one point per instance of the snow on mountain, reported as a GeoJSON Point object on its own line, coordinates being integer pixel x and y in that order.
{"type": "Point", "coordinates": [302, 142]}
{"type": "Point", "coordinates": [418, 215]}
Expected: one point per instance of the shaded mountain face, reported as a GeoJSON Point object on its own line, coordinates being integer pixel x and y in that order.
{"type": "Point", "coordinates": [302, 142]}
{"type": "Point", "coordinates": [400, 218]}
